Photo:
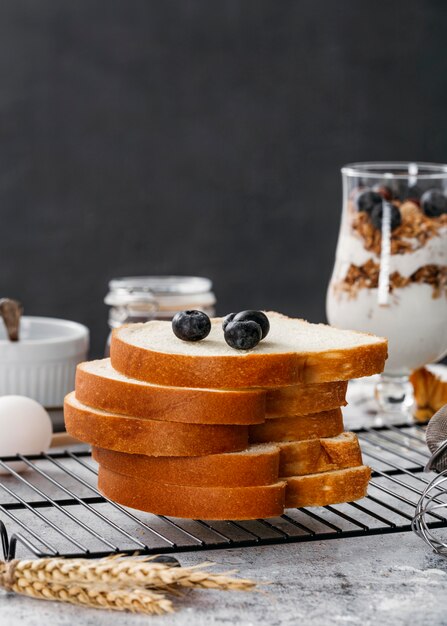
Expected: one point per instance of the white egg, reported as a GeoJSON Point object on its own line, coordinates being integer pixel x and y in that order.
{"type": "Point", "coordinates": [25, 428]}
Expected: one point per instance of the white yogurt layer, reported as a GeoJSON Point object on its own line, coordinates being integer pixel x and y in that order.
{"type": "Point", "coordinates": [351, 250]}
{"type": "Point", "coordinates": [414, 322]}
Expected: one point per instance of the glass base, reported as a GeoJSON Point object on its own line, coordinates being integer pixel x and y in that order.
{"type": "Point", "coordinates": [394, 394]}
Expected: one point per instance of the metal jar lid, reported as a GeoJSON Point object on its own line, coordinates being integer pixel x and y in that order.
{"type": "Point", "coordinates": [162, 289]}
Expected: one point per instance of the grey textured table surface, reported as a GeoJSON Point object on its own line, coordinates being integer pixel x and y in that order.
{"type": "Point", "coordinates": [384, 579]}
{"type": "Point", "coordinates": [392, 579]}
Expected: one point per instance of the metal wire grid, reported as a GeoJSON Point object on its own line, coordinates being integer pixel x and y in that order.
{"type": "Point", "coordinates": [55, 509]}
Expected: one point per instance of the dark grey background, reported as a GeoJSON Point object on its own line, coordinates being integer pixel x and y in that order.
{"type": "Point", "coordinates": [201, 137]}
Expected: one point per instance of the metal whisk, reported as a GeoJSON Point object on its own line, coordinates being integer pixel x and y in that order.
{"type": "Point", "coordinates": [433, 497]}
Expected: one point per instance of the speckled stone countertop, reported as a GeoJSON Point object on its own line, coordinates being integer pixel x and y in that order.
{"type": "Point", "coordinates": [391, 579]}
{"type": "Point", "coordinates": [380, 580]}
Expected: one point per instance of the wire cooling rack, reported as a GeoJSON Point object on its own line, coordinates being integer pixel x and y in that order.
{"type": "Point", "coordinates": [55, 509]}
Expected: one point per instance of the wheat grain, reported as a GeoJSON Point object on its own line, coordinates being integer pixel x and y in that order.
{"type": "Point", "coordinates": [125, 572]}
{"type": "Point", "coordinates": [116, 583]}
{"type": "Point", "coordinates": [134, 600]}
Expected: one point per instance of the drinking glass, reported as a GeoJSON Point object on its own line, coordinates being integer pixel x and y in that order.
{"type": "Point", "coordinates": [390, 272]}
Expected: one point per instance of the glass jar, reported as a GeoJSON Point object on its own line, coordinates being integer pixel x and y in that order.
{"type": "Point", "coordinates": [143, 298]}
{"type": "Point", "coordinates": [390, 273]}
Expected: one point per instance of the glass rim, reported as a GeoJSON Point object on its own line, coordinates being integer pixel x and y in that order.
{"type": "Point", "coordinates": [384, 169]}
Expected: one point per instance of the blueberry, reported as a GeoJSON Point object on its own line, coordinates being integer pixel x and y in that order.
{"type": "Point", "coordinates": [384, 191]}
{"type": "Point", "coordinates": [413, 193]}
{"type": "Point", "coordinates": [191, 325]}
{"type": "Point", "coordinates": [243, 335]}
{"type": "Point", "coordinates": [377, 215]}
{"type": "Point", "coordinates": [255, 316]}
{"type": "Point", "coordinates": [434, 203]}
{"type": "Point", "coordinates": [367, 200]}
{"type": "Point", "coordinates": [227, 319]}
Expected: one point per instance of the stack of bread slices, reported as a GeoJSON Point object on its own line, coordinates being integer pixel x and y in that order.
{"type": "Point", "coordinates": [200, 430]}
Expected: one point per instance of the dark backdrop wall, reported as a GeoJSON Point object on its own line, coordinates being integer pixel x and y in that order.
{"type": "Point", "coordinates": [200, 137]}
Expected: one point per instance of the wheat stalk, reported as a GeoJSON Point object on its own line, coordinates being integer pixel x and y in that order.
{"type": "Point", "coordinates": [113, 582]}
{"type": "Point", "coordinates": [93, 596]}
{"type": "Point", "coordinates": [125, 572]}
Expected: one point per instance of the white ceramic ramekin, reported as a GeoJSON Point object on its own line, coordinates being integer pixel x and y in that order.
{"type": "Point", "coordinates": [42, 364]}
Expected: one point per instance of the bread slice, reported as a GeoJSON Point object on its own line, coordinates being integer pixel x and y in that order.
{"type": "Point", "coordinates": [257, 465]}
{"type": "Point", "coordinates": [343, 485]}
{"type": "Point", "coordinates": [208, 503]}
{"type": "Point", "coordinates": [313, 456]}
{"type": "Point", "coordinates": [305, 399]}
{"type": "Point", "coordinates": [153, 437]}
{"type": "Point", "coordinates": [293, 352]}
{"type": "Point", "coordinates": [100, 386]}
{"type": "Point", "coordinates": [298, 428]}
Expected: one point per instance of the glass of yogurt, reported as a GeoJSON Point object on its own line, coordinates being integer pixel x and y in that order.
{"type": "Point", "coordinates": [390, 273]}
